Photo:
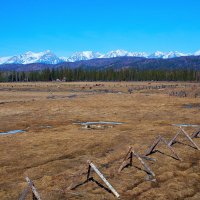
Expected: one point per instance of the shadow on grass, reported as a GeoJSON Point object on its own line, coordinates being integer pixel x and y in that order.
{"type": "Point", "coordinates": [183, 144]}
{"type": "Point", "coordinates": [158, 151]}
{"type": "Point", "coordinates": [95, 181]}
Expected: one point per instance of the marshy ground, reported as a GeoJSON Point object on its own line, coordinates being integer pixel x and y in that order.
{"type": "Point", "coordinates": [54, 147]}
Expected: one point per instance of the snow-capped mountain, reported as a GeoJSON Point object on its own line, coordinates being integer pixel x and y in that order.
{"type": "Point", "coordinates": [120, 53]}
{"type": "Point", "coordinates": [4, 59]}
{"type": "Point", "coordinates": [197, 53]}
{"type": "Point", "coordinates": [85, 55]}
{"type": "Point", "coordinates": [165, 55]}
{"type": "Point", "coordinates": [48, 57]}
{"type": "Point", "coordinates": [30, 57]}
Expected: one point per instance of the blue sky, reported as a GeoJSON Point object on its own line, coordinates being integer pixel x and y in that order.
{"type": "Point", "coordinates": [67, 26]}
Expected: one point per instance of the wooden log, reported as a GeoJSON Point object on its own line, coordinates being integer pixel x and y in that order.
{"type": "Point", "coordinates": [77, 176]}
{"type": "Point", "coordinates": [103, 179]}
{"type": "Point", "coordinates": [147, 158]}
{"type": "Point", "coordinates": [88, 174]}
{"type": "Point", "coordinates": [174, 139]}
{"type": "Point", "coordinates": [24, 193]}
{"type": "Point", "coordinates": [128, 154]}
{"type": "Point", "coordinates": [172, 150]}
{"type": "Point", "coordinates": [150, 150]}
{"type": "Point", "coordinates": [34, 191]}
{"type": "Point", "coordinates": [189, 138]}
{"type": "Point", "coordinates": [124, 162]}
{"type": "Point", "coordinates": [143, 163]}
{"type": "Point", "coordinates": [195, 134]}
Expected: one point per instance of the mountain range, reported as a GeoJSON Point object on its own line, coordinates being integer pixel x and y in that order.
{"type": "Point", "coordinates": [47, 57]}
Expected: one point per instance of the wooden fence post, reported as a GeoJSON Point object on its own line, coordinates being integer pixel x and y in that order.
{"type": "Point", "coordinates": [103, 178]}
{"type": "Point", "coordinates": [35, 194]}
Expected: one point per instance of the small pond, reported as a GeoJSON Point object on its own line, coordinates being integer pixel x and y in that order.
{"type": "Point", "coordinates": [11, 132]}
{"type": "Point", "coordinates": [99, 123]}
{"type": "Point", "coordinates": [186, 125]}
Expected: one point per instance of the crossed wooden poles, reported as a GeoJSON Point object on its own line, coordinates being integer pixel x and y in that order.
{"type": "Point", "coordinates": [161, 139]}
{"type": "Point", "coordinates": [91, 167]}
{"type": "Point", "coordinates": [128, 160]}
{"type": "Point", "coordinates": [35, 194]}
{"type": "Point", "coordinates": [182, 131]}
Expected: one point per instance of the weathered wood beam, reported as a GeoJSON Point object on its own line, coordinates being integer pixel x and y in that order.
{"type": "Point", "coordinates": [174, 139]}
{"type": "Point", "coordinates": [171, 149]}
{"type": "Point", "coordinates": [147, 158]}
{"type": "Point", "coordinates": [103, 179]}
{"type": "Point", "coordinates": [152, 147]}
{"type": "Point", "coordinates": [31, 186]}
{"type": "Point", "coordinates": [125, 160]}
{"type": "Point", "coordinates": [24, 193]}
{"type": "Point", "coordinates": [143, 163]}
{"type": "Point", "coordinates": [34, 191]}
{"type": "Point", "coordinates": [195, 134]}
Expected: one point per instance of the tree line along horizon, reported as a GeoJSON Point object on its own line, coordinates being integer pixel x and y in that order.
{"type": "Point", "coordinates": [80, 74]}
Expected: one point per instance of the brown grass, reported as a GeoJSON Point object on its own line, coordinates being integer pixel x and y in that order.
{"type": "Point", "coordinates": [52, 156]}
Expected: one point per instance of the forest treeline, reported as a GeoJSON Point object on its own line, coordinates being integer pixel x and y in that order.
{"type": "Point", "coordinates": [64, 74]}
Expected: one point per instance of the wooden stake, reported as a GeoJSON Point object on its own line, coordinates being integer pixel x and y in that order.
{"type": "Point", "coordinates": [24, 193]}
{"type": "Point", "coordinates": [31, 186]}
{"type": "Point", "coordinates": [172, 150]}
{"type": "Point", "coordinates": [143, 163]}
{"type": "Point", "coordinates": [195, 134]}
{"type": "Point", "coordinates": [91, 167]}
{"type": "Point", "coordinates": [124, 162]}
{"type": "Point", "coordinates": [150, 150]}
{"type": "Point", "coordinates": [34, 191]}
{"type": "Point", "coordinates": [103, 178]}
{"type": "Point", "coordinates": [174, 139]}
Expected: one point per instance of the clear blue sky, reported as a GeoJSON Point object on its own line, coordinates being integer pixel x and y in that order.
{"type": "Point", "coordinates": [66, 26]}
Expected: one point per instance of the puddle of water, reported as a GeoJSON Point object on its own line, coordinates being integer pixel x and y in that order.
{"type": "Point", "coordinates": [186, 125]}
{"type": "Point", "coordinates": [12, 132]}
{"type": "Point", "coordinates": [101, 122]}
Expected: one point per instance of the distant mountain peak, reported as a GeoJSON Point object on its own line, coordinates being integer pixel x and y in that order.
{"type": "Point", "coordinates": [31, 57]}
{"type": "Point", "coordinates": [197, 53]}
{"type": "Point", "coordinates": [84, 55]}
{"type": "Point", "coordinates": [48, 57]}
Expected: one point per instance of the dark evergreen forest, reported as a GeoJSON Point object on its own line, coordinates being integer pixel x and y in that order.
{"type": "Point", "coordinates": [65, 74]}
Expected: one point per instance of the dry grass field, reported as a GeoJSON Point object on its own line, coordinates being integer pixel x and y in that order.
{"type": "Point", "coordinates": [53, 148]}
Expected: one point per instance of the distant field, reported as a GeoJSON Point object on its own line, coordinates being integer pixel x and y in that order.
{"type": "Point", "coordinates": [54, 148]}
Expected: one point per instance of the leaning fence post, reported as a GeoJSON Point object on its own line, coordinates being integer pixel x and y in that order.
{"type": "Point", "coordinates": [35, 194]}
{"type": "Point", "coordinates": [103, 178]}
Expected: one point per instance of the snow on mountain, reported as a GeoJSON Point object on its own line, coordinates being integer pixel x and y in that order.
{"type": "Point", "coordinates": [117, 53]}
{"type": "Point", "coordinates": [4, 59]}
{"type": "Point", "coordinates": [120, 53]}
{"type": "Point", "coordinates": [197, 53]}
{"type": "Point", "coordinates": [85, 55]}
{"type": "Point", "coordinates": [30, 57]}
{"type": "Point", "coordinates": [50, 58]}
{"type": "Point", "coordinates": [166, 55]}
